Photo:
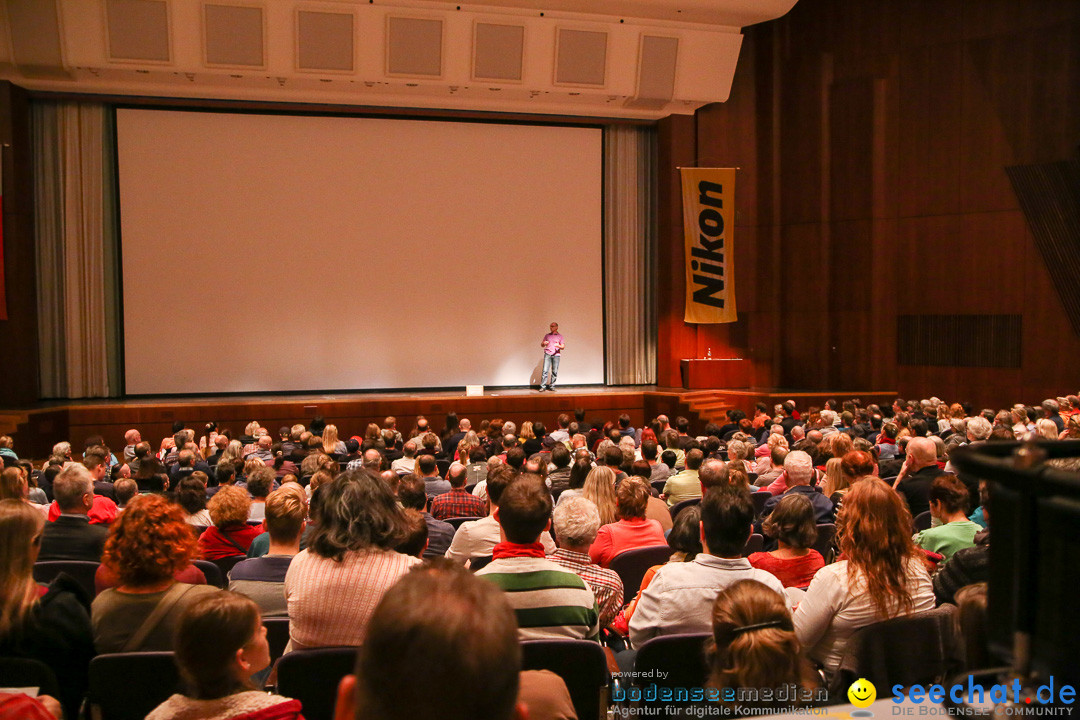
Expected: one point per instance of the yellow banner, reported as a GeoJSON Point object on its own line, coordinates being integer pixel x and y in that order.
{"type": "Point", "coordinates": [708, 196]}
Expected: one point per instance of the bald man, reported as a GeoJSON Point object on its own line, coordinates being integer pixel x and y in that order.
{"type": "Point", "coordinates": [918, 473]}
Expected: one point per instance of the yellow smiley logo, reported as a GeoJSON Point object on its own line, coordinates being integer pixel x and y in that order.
{"type": "Point", "coordinates": [862, 693]}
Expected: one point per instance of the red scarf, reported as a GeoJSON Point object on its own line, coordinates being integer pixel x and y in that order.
{"type": "Point", "coordinates": [513, 550]}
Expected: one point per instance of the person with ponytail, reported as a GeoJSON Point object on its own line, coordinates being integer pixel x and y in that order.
{"type": "Point", "coordinates": [50, 624]}
{"type": "Point", "coordinates": [754, 646]}
{"type": "Point", "coordinates": [879, 575]}
{"type": "Point", "coordinates": [220, 644]}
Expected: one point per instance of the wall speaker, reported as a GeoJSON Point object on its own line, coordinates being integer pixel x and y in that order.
{"type": "Point", "coordinates": [138, 30]}
{"type": "Point", "coordinates": [234, 35]}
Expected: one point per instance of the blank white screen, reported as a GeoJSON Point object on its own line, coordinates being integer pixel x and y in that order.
{"type": "Point", "coordinates": [291, 253]}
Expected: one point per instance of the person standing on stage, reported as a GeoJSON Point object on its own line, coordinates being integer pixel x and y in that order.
{"type": "Point", "coordinates": [553, 345]}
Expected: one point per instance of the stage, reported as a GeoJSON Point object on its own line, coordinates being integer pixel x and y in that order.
{"type": "Point", "coordinates": [35, 429]}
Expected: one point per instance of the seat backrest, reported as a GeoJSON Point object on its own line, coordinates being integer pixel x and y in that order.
{"type": "Point", "coordinates": [759, 499]}
{"type": "Point", "coordinates": [580, 663]}
{"type": "Point", "coordinates": [681, 658]}
{"type": "Point", "coordinates": [212, 572]}
{"type": "Point", "coordinates": [632, 565]}
{"type": "Point", "coordinates": [81, 571]}
{"type": "Point", "coordinates": [277, 635]}
{"type": "Point", "coordinates": [27, 673]}
{"type": "Point", "coordinates": [658, 486]}
{"type": "Point", "coordinates": [227, 564]}
{"type": "Point", "coordinates": [921, 648]}
{"type": "Point", "coordinates": [922, 521]}
{"type": "Point", "coordinates": [826, 533]}
{"type": "Point", "coordinates": [457, 521]}
{"type": "Point", "coordinates": [678, 507]}
{"type": "Point", "coordinates": [478, 562]}
{"type": "Point", "coordinates": [312, 677]}
{"type": "Point", "coordinates": [127, 686]}
{"type": "Point", "coordinates": [755, 544]}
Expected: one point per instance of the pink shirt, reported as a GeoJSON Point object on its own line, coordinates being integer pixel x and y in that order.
{"type": "Point", "coordinates": [624, 535]}
{"type": "Point", "coordinates": [555, 341]}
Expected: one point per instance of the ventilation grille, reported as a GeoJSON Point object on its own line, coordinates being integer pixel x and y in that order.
{"type": "Point", "coordinates": [581, 58]}
{"type": "Point", "coordinates": [959, 340]}
{"type": "Point", "coordinates": [138, 30]}
{"type": "Point", "coordinates": [414, 47]}
{"type": "Point", "coordinates": [497, 52]}
{"type": "Point", "coordinates": [1049, 195]}
{"type": "Point", "coordinates": [324, 40]}
{"type": "Point", "coordinates": [234, 35]}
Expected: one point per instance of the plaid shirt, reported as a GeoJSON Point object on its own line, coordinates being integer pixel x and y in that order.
{"type": "Point", "coordinates": [459, 502]}
{"type": "Point", "coordinates": [605, 583]}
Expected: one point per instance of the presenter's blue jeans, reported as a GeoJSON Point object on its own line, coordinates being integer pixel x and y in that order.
{"type": "Point", "coordinates": [551, 370]}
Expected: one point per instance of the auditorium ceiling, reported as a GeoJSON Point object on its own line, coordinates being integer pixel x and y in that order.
{"type": "Point", "coordinates": [622, 59]}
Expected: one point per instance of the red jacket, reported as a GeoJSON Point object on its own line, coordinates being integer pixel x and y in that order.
{"type": "Point", "coordinates": [214, 542]}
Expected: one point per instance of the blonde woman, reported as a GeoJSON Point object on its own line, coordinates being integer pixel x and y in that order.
{"type": "Point", "coordinates": [600, 488]}
{"type": "Point", "coordinates": [330, 443]}
{"type": "Point", "coordinates": [50, 625]}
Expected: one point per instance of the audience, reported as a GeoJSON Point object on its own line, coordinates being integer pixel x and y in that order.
{"type": "Point", "coordinates": [220, 643]}
{"type": "Point", "coordinates": [71, 536]}
{"type": "Point", "coordinates": [230, 535]}
{"type": "Point", "coordinates": [632, 530]}
{"type": "Point", "coordinates": [147, 547]}
{"type": "Point", "coordinates": [333, 586]}
{"type": "Point", "coordinates": [50, 624]}
{"type": "Point", "coordinates": [371, 528]}
{"type": "Point", "coordinates": [576, 523]}
{"type": "Point", "coordinates": [879, 575]}
{"type": "Point", "coordinates": [548, 600]}
{"type": "Point", "coordinates": [263, 578]}
{"type": "Point", "coordinates": [793, 526]}
{"type": "Point", "coordinates": [680, 595]}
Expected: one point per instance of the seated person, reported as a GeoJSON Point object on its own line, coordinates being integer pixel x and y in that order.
{"type": "Point", "coordinates": [792, 524]}
{"type": "Point", "coordinates": [754, 646]}
{"type": "Point", "coordinates": [632, 530]}
{"type": "Point", "coordinates": [459, 502]}
{"type": "Point", "coordinates": [71, 535]}
{"type": "Point", "coordinates": [220, 644]}
{"type": "Point", "coordinates": [949, 505]}
{"type": "Point", "coordinates": [474, 621]}
{"type": "Point", "coordinates": [230, 534]}
{"type": "Point", "coordinates": [880, 574]}
{"type": "Point", "coordinates": [680, 595]}
{"type": "Point", "coordinates": [549, 601]}
{"type": "Point", "coordinates": [263, 578]}
{"type": "Point", "coordinates": [576, 524]}
{"type": "Point", "coordinates": [685, 485]}
{"type": "Point", "coordinates": [147, 545]}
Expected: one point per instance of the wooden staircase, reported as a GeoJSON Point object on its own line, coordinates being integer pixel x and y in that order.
{"type": "Point", "coordinates": [708, 405]}
{"type": "Point", "coordinates": [10, 422]}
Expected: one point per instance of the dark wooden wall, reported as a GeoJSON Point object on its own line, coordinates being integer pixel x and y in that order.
{"type": "Point", "coordinates": [18, 334]}
{"type": "Point", "coordinates": [873, 140]}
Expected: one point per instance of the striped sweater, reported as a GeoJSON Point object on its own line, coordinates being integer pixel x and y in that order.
{"type": "Point", "coordinates": [549, 601]}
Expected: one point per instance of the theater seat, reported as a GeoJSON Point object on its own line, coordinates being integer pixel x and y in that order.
{"type": "Point", "coordinates": [81, 571]}
{"type": "Point", "coordinates": [755, 544]}
{"type": "Point", "coordinates": [312, 677]}
{"type": "Point", "coordinates": [631, 565]}
{"type": "Point", "coordinates": [212, 573]}
{"type": "Point", "coordinates": [679, 506]}
{"type": "Point", "coordinates": [457, 521]}
{"type": "Point", "coordinates": [681, 657]}
{"type": "Point", "coordinates": [28, 673]}
{"type": "Point", "coordinates": [580, 663]}
{"type": "Point", "coordinates": [127, 686]}
{"type": "Point", "coordinates": [922, 521]}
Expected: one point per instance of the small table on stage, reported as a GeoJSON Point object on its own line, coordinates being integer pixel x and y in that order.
{"type": "Point", "coordinates": [698, 374]}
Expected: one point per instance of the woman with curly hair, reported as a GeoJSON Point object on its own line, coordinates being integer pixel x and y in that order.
{"type": "Point", "coordinates": [147, 546]}
{"type": "Point", "coordinates": [333, 586]}
{"type": "Point", "coordinates": [50, 624]}
{"type": "Point", "coordinates": [880, 574]}
{"type": "Point", "coordinates": [792, 523]}
{"type": "Point", "coordinates": [230, 535]}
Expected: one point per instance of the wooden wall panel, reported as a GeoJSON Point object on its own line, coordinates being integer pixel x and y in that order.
{"type": "Point", "coordinates": [884, 129]}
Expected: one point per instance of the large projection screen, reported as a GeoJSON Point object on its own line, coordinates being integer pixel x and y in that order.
{"type": "Point", "coordinates": [281, 253]}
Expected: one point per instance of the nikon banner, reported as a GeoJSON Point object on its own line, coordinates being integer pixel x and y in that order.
{"type": "Point", "coordinates": [708, 196]}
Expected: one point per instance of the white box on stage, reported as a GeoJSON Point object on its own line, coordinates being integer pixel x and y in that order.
{"type": "Point", "coordinates": [474, 390]}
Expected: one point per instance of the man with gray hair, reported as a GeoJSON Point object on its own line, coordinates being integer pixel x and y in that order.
{"type": "Point", "coordinates": [1052, 410]}
{"type": "Point", "coordinates": [407, 462]}
{"type": "Point", "coordinates": [71, 536]}
{"type": "Point", "coordinates": [798, 472]}
{"type": "Point", "coordinates": [576, 524]}
{"type": "Point", "coordinates": [262, 449]}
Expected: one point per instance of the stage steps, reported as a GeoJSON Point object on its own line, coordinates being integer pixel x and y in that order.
{"type": "Point", "coordinates": [9, 422]}
{"type": "Point", "coordinates": [709, 405]}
